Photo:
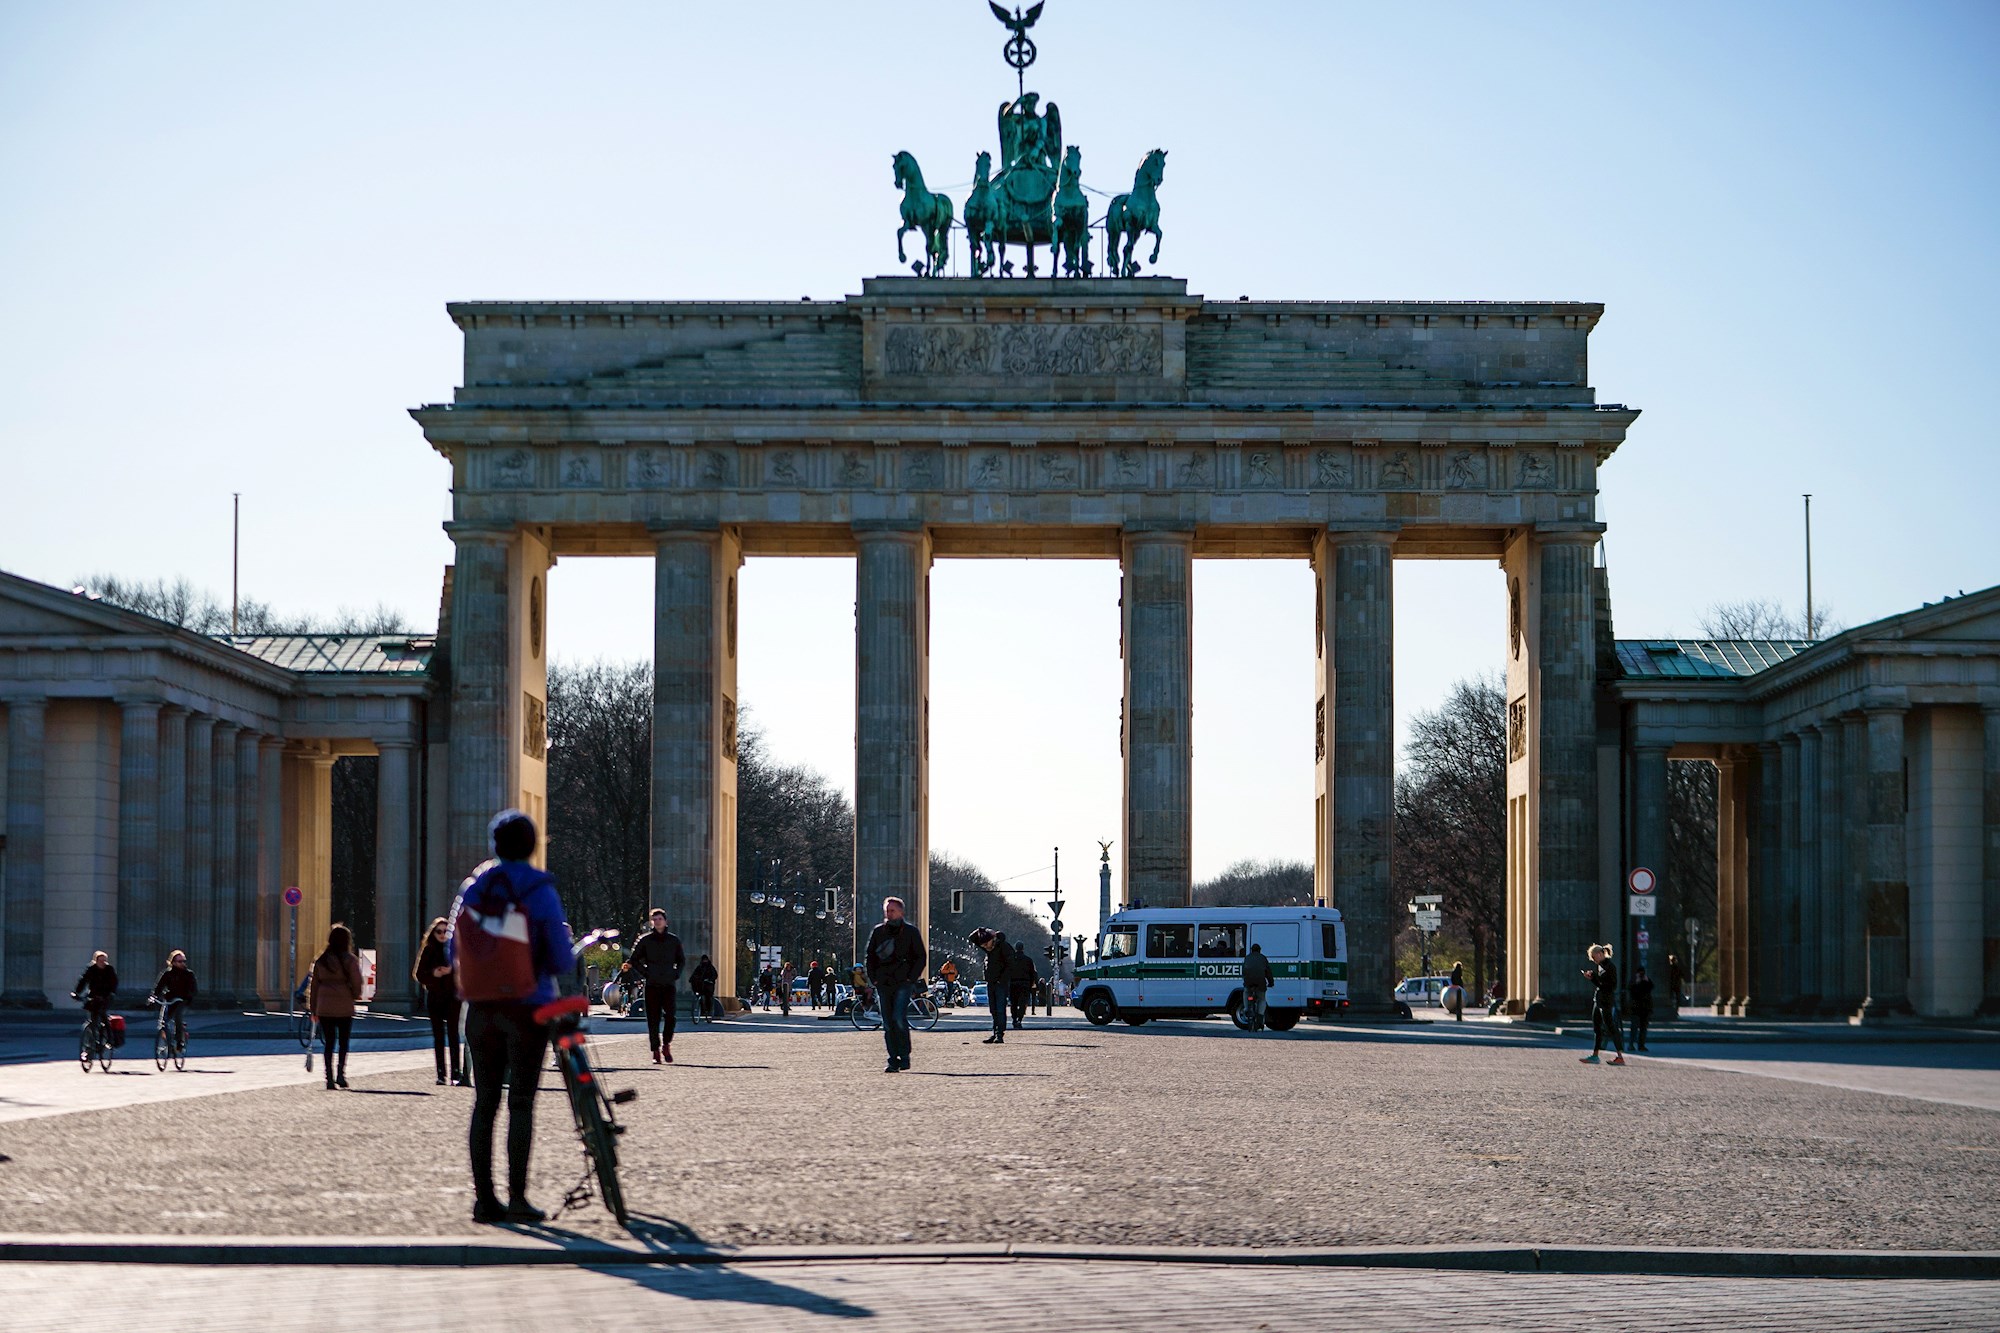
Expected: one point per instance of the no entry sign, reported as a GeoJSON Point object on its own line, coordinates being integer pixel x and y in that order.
{"type": "Point", "coordinates": [1641, 880]}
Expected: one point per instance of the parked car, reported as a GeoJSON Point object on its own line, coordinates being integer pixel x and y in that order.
{"type": "Point", "coordinates": [1423, 990]}
{"type": "Point", "coordinates": [979, 996]}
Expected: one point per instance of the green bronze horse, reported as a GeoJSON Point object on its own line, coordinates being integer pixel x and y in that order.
{"type": "Point", "coordinates": [1133, 214]}
{"type": "Point", "coordinates": [926, 213]}
{"type": "Point", "coordinates": [1071, 247]}
{"type": "Point", "coordinates": [982, 213]}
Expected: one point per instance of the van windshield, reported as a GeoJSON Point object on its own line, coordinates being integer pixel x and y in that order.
{"type": "Point", "coordinates": [1122, 943]}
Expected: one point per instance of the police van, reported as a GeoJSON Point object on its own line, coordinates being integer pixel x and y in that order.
{"type": "Point", "coordinates": [1187, 962]}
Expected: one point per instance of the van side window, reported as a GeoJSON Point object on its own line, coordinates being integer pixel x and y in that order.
{"type": "Point", "coordinates": [1222, 941]}
{"type": "Point", "coordinates": [1121, 943]}
{"type": "Point", "coordinates": [1169, 941]}
{"type": "Point", "coordinates": [1280, 939]}
{"type": "Point", "coordinates": [1329, 941]}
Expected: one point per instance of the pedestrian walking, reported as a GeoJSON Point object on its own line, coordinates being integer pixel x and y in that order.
{"type": "Point", "coordinates": [787, 975]}
{"type": "Point", "coordinates": [1676, 986]}
{"type": "Point", "coordinates": [1021, 979]}
{"type": "Point", "coordinates": [999, 967]}
{"type": "Point", "coordinates": [332, 992]}
{"type": "Point", "coordinates": [1257, 979]}
{"type": "Point", "coordinates": [432, 973]}
{"type": "Point", "coordinates": [1603, 1005]}
{"type": "Point", "coordinates": [702, 982]}
{"type": "Point", "coordinates": [1640, 996]}
{"type": "Point", "coordinates": [1458, 984]}
{"type": "Point", "coordinates": [767, 981]}
{"type": "Point", "coordinates": [895, 962]}
{"type": "Point", "coordinates": [657, 959]}
{"type": "Point", "coordinates": [176, 988]}
{"type": "Point", "coordinates": [508, 944]}
{"type": "Point", "coordinates": [815, 977]}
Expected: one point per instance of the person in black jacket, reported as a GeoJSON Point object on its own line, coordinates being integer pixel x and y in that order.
{"type": "Point", "coordinates": [1641, 995]}
{"type": "Point", "coordinates": [433, 975]}
{"type": "Point", "coordinates": [895, 960]}
{"type": "Point", "coordinates": [999, 967]}
{"type": "Point", "coordinates": [702, 982]}
{"type": "Point", "coordinates": [97, 985]}
{"type": "Point", "coordinates": [657, 960]}
{"type": "Point", "coordinates": [176, 988]}
{"type": "Point", "coordinates": [1021, 980]}
{"type": "Point", "coordinates": [1603, 1005]}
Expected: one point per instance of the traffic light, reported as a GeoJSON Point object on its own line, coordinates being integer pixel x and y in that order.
{"type": "Point", "coordinates": [1050, 953]}
{"type": "Point", "coordinates": [832, 898]}
{"type": "Point", "coordinates": [958, 900]}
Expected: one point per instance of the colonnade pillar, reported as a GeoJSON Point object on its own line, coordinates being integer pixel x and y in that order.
{"type": "Point", "coordinates": [307, 803]}
{"type": "Point", "coordinates": [251, 885]}
{"type": "Point", "coordinates": [1831, 881]}
{"type": "Point", "coordinates": [269, 906]}
{"type": "Point", "coordinates": [1807, 875]}
{"type": "Point", "coordinates": [1355, 745]}
{"type": "Point", "coordinates": [1784, 941]}
{"type": "Point", "coordinates": [394, 927]}
{"type": "Point", "coordinates": [1990, 858]}
{"type": "Point", "coordinates": [1888, 872]}
{"type": "Point", "coordinates": [891, 720]}
{"type": "Point", "coordinates": [139, 836]}
{"type": "Point", "coordinates": [693, 837]}
{"type": "Point", "coordinates": [1157, 647]}
{"type": "Point", "coordinates": [198, 878]}
{"type": "Point", "coordinates": [27, 829]}
{"type": "Point", "coordinates": [1731, 884]}
{"type": "Point", "coordinates": [1854, 882]}
{"type": "Point", "coordinates": [222, 980]}
{"type": "Point", "coordinates": [171, 906]}
{"type": "Point", "coordinates": [1649, 849]}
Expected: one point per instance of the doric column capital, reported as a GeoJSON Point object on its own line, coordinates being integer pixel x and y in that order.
{"type": "Point", "coordinates": [1589, 536]}
{"type": "Point", "coordinates": [140, 703]}
{"type": "Point", "coordinates": [1372, 535]}
{"type": "Point", "coordinates": [1880, 700]}
{"type": "Point", "coordinates": [462, 532]}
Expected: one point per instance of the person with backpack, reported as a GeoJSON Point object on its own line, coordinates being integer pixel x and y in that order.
{"type": "Point", "coordinates": [657, 960]}
{"type": "Point", "coordinates": [895, 961]}
{"type": "Point", "coordinates": [332, 995]}
{"type": "Point", "coordinates": [1021, 980]}
{"type": "Point", "coordinates": [1257, 979]}
{"type": "Point", "coordinates": [432, 973]}
{"type": "Point", "coordinates": [702, 982]}
{"type": "Point", "coordinates": [508, 944]}
{"type": "Point", "coordinates": [999, 967]}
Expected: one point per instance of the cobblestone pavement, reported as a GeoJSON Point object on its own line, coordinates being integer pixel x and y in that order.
{"type": "Point", "coordinates": [1175, 1133]}
{"type": "Point", "coordinates": [1024, 1294]}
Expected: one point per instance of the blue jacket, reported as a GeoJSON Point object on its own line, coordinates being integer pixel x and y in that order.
{"type": "Point", "coordinates": [497, 883]}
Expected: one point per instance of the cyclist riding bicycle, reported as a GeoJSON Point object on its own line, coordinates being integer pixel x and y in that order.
{"type": "Point", "coordinates": [176, 990]}
{"type": "Point", "coordinates": [96, 986]}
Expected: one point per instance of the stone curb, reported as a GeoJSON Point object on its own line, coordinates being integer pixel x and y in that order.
{"type": "Point", "coordinates": [526, 1248]}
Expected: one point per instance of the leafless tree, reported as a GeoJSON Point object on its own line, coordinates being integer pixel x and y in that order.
{"type": "Point", "coordinates": [1451, 816]}
{"type": "Point", "coordinates": [1691, 857]}
{"type": "Point", "coordinates": [600, 738]}
{"type": "Point", "coordinates": [180, 603]}
{"type": "Point", "coordinates": [1253, 883]}
{"type": "Point", "coordinates": [353, 869]}
{"type": "Point", "coordinates": [1760, 618]}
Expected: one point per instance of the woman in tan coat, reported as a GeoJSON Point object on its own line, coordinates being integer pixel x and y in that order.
{"type": "Point", "coordinates": [335, 991]}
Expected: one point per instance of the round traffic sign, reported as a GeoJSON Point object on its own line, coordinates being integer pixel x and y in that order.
{"type": "Point", "coordinates": [1055, 927]}
{"type": "Point", "coordinates": [1641, 880]}
{"type": "Point", "coordinates": [293, 897]}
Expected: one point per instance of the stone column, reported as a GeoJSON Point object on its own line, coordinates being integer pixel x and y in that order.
{"type": "Point", "coordinates": [27, 829]}
{"type": "Point", "coordinates": [1831, 885]}
{"type": "Point", "coordinates": [251, 885]}
{"type": "Point", "coordinates": [272, 914]}
{"type": "Point", "coordinates": [1725, 885]}
{"type": "Point", "coordinates": [481, 692]}
{"type": "Point", "coordinates": [138, 945]}
{"type": "Point", "coordinates": [1811, 985]}
{"type": "Point", "coordinates": [1764, 970]}
{"type": "Point", "coordinates": [395, 928]}
{"type": "Point", "coordinates": [196, 923]}
{"type": "Point", "coordinates": [1854, 860]}
{"type": "Point", "coordinates": [891, 706]}
{"type": "Point", "coordinates": [1888, 869]}
{"type": "Point", "coordinates": [1786, 937]}
{"type": "Point", "coordinates": [1566, 735]}
{"type": "Point", "coordinates": [170, 928]}
{"type": "Point", "coordinates": [694, 742]}
{"type": "Point", "coordinates": [1157, 602]}
{"type": "Point", "coordinates": [1990, 838]}
{"type": "Point", "coordinates": [1649, 849]}
{"type": "Point", "coordinates": [224, 967]}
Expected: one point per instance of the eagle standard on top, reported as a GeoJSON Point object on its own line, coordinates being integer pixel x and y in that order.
{"type": "Point", "coordinates": [1187, 962]}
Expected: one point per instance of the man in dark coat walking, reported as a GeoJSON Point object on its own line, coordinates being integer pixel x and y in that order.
{"type": "Point", "coordinates": [657, 960]}
{"type": "Point", "coordinates": [895, 961]}
{"type": "Point", "coordinates": [1021, 981]}
{"type": "Point", "coordinates": [999, 970]}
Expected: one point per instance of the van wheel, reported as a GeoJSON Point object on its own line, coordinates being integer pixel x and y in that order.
{"type": "Point", "coordinates": [1099, 1009]}
{"type": "Point", "coordinates": [1135, 1019]}
{"type": "Point", "coordinates": [1236, 1014]}
{"type": "Point", "coordinates": [1282, 1020]}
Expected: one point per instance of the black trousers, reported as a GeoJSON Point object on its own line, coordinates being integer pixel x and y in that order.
{"type": "Point", "coordinates": [336, 1033]}
{"type": "Point", "coordinates": [505, 1046]}
{"type": "Point", "coordinates": [1641, 1020]}
{"type": "Point", "coordinates": [996, 1005]}
{"type": "Point", "coordinates": [662, 1001]}
{"type": "Point", "coordinates": [1021, 997]}
{"type": "Point", "coordinates": [1603, 1024]}
{"type": "Point", "coordinates": [444, 1036]}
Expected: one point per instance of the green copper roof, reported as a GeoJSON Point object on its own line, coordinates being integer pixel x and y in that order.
{"type": "Point", "coordinates": [1704, 659]}
{"type": "Point", "coordinates": [351, 654]}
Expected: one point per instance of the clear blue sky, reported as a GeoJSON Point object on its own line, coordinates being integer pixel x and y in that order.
{"type": "Point", "coordinates": [227, 234]}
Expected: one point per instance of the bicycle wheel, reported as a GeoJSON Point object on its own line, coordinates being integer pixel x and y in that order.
{"type": "Point", "coordinates": [88, 1050]}
{"type": "Point", "coordinates": [104, 1053]}
{"type": "Point", "coordinates": [303, 1030]}
{"type": "Point", "coordinates": [593, 1125]}
{"type": "Point", "coordinates": [867, 1015]}
{"type": "Point", "coordinates": [181, 1053]}
{"type": "Point", "coordinates": [163, 1049]}
{"type": "Point", "coordinates": [923, 1012]}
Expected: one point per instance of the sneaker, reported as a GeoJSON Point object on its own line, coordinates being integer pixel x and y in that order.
{"type": "Point", "coordinates": [341, 1081]}
{"type": "Point", "coordinates": [488, 1212]}
{"type": "Point", "coordinates": [440, 1080]}
{"type": "Point", "coordinates": [892, 1068]}
{"type": "Point", "coordinates": [460, 1081]}
{"type": "Point", "coordinates": [667, 1054]}
{"type": "Point", "coordinates": [656, 1057]}
{"type": "Point", "coordinates": [523, 1213]}
{"type": "Point", "coordinates": [990, 1040]}
{"type": "Point", "coordinates": [905, 1065]}
{"type": "Point", "coordinates": [1616, 1060]}
{"type": "Point", "coordinates": [1590, 1059]}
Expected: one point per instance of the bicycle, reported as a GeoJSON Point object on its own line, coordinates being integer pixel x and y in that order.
{"type": "Point", "coordinates": [866, 1011]}
{"type": "Point", "coordinates": [170, 1042]}
{"type": "Point", "coordinates": [96, 1043]}
{"type": "Point", "coordinates": [703, 1013]}
{"type": "Point", "coordinates": [591, 1106]}
{"type": "Point", "coordinates": [302, 1020]}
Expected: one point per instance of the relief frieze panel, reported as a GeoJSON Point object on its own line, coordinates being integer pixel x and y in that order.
{"type": "Point", "coordinates": [1022, 349]}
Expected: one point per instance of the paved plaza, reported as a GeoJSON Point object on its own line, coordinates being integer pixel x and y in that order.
{"type": "Point", "coordinates": [772, 1131]}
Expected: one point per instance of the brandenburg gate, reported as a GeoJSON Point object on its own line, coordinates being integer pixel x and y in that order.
{"type": "Point", "coordinates": [1112, 418]}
